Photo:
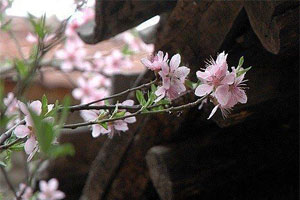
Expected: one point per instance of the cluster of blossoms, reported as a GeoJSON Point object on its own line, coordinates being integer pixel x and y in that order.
{"type": "Point", "coordinates": [226, 88]}
{"type": "Point", "coordinates": [173, 77]}
{"type": "Point", "coordinates": [27, 130]}
{"type": "Point", "coordinates": [48, 191]}
{"type": "Point", "coordinates": [91, 86]}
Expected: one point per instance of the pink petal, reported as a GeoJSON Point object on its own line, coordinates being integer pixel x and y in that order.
{"type": "Point", "coordinates": [30, 145]}
{"type": "Point", "coordinates": [77, 93]}
{"type": "Point", "coordinates": [240, 95]}
{"type": "Point", "coordinates": [175, 62]}
{"type": "Point", "coordinates": [203, 89]}
{"type": "Point", "coordinates": [147, 63]}
{"type": "Point", "coordinates": [53, 184]}
{"type": "Point", "coordinates": [36, 106]}
{"type": "Point", "coordinates": [43, 186]}
{"type": "Point", "coordinates": [22, 131]}
{"type": "Point", "coordinates": [58, 195]}
{"type": "Point", "coordinates": [160, 93]}
{"type": "Point", "coordinates": [96, 130]}
{"type": "Point", "coordinates": [203, 75]}
{"type": "Point", "coordinates": [23, 108]}
{"type": "Point", "coordinates": [182, 73]}
{"type": "Point", "coordinates": [129, 119]}
{"type": "Point", "coordinates": [228, 79]}
{"type": "Point", "coordinates": [128, 102]}
{"type": "Point", "coordinates": [222, 94]}
{"type": "Point", "coordinates": [67, 66]}
{"type": "Point", "coordinates": [120, 125]}
{"type": "Point", "coordinates": [88, 115]}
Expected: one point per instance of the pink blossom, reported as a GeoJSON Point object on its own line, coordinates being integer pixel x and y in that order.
{"type": "Point", "coordinates": [215, 74]}
{"type": "Point", "coordinates": [173, 78]}
{"type": "Point", "coordinates": [49, 191]}
{"type": "Point", "coordinates": [34, 39]}
{"type": "Point", "coordinates": [26, 192]}
{"type": "Point", "coordinates": [91, 88]}
{"type": "Point", "coordinates": [88, 14]}
{"type": "Point", "coordinates": [115, 62]}
{"type": "Point", "coordinates": [72, 56]}
{"type": "Point", "coordinates": [155, 63]}
{"type": "Point", "coordinates": [27, 130]}
{"type": "Point", "coordinates": [135, 43]}
{"type": "Point", "coordinates": [113, 127]}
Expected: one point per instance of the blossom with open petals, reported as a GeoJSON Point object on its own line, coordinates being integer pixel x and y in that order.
{"type": "Point", "coordinates": [173, 78]}
{"type": "Point", "coordinates": [215, 74]}
{"type": "Point", "coordinates": [49, 191]}
{"type": "Point", "coordinates": [155, 63]}
{"type": "Point", "coordinates": [115, 62]}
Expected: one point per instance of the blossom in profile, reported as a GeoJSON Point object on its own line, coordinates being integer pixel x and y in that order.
{"type": "Point", "coordinates": [27, 130]}
{"type": "Point", "coordinates": [25, 192]}
{"type": "Point", "coordinates": [173, 78]}
{"type": "Point", "coordinates": [112, 127]}
{"type": "Point", "coordinates": [155, 63]}
{"type": "Point", "coordinates": [49, 190]}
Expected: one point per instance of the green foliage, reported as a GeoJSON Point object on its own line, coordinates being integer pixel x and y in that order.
{"type": "Point", "coordinates": [22, 68]}
{"type": "Point", "coordinates": [39, 25]}
{"type": "Point", "coordinates": [191, 84]}
{"type": "Point", "coordinates": [140, 97]}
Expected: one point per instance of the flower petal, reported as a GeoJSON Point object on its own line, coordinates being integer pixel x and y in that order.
{"type": "Point", "coordinates": [22, 131]}
{"type": "Point", "coordinates": [52, 184]}
{"type": "Point", "coordinates": [36, 106]}
{"type": "Point", "coordinates": [223, 94]}
{"type": "Point", "coordinates": [203, 89]}
{"type": "Point", "coordinates": [30, 144]}
{"type": "Point", "coordinates": [175, 62]}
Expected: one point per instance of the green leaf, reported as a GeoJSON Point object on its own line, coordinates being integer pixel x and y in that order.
{"type": "Point", "coordinates": [140, 97]}
{"type": "Point", "coordinates": [62, 150]}
{"type": "Point", "coordinates": [120, 114]}
{"type": "Point", "coordinates": [104, 125]}
{"type": "Point", "coordinates": [22, 68]}
{"type": "Point", "coordinates": [153, 88]}
{"type": "Point", "coordinates": [241, 61]}
{"type": "Point", "coordinates": [191, 84]}
{"type": "Point", "coordinates": [243, 71]}
{"type": "Point", "coordinates": [164, 102]}
{"type": "Point", "coordinates": [65, 111]}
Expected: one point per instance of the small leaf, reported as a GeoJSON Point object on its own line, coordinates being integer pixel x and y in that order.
{"type": "Point", "coordinates": [191, 84]}
{"type": "Point", "coordinates": [119, 114]}
{"type": "Point", "coordinates": [243, 71]}
{"type": "Point", "coordinates": [62, 150]}
{"type": "Point", "coordinates": [140, 97]}
{"type": "Point", "coordinates": [104, 125]}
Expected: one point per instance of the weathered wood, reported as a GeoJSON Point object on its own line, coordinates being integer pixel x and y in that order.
{"type": "Point", "coordinates": [214, 164]}
{"type": "Point", "coordinates": [265, 24]}
{"type": "Point", "coordinates": [113, 17]}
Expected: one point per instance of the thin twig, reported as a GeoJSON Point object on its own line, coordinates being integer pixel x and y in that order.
{"type": "Point", "coordinates": [6, 146]}
{"type": "Point", "coordinates": [119, 94]}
